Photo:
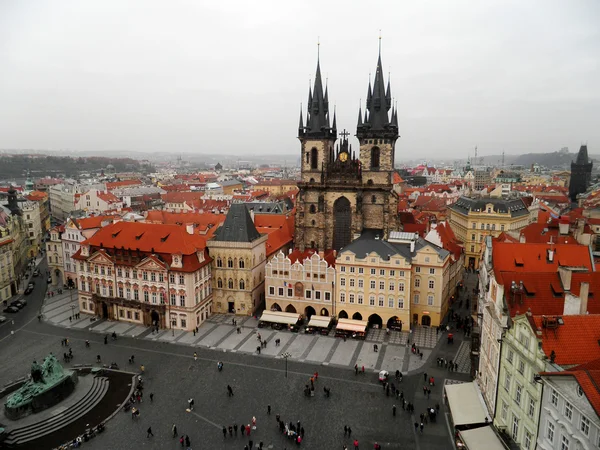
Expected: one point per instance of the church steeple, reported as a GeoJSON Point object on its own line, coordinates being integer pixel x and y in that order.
{"type": "Point", "coordinates": [317, 119]}
{"type": "Point", "coordinates": [379, 103]}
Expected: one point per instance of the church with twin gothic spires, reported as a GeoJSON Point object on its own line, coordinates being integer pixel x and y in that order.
{"type": "Point", "coordinates": [342, 192]}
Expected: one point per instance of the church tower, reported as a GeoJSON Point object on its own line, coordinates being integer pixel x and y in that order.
{"type": "Point", "coordinates": [341, 195]}
{"type": "Point", "coordinates": [581, 174]}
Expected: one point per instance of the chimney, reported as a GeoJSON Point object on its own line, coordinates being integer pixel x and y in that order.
{"type": "Point", "coordinates": [565, 278]}
{"type": "Point", "coordinates": [550, 255]}
{"type": "Point", "coordinates": [412, 246]}
{"type": "Point", "coordinates": [563, 226]}
{"type": "Point", "coordinates": [584, 291]}
{"type": "Point", "coordinates": [252, 215]}
{"type": "Point", "coordinates": [190, 228]}
{"type": "Point", "coordinates": [522, 239]}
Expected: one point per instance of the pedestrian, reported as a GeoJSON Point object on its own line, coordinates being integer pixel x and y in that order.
{"type": "Point", "coordinates": [242, 429]}
{"type": "Point", "coordinates": [105, 340]}
{"type": "Point", "coordinates": [235, 427]}
{"type": "Point", "coordinates": [195, 356]}
{"type": "Point", "coordinates": [174, 430]}
{"type": "Point", "coordinates": [229, 391]}
{"type": "Point", "coordinates": [187, 441]}
{"type": "Point", "coordinates": [149, 432]}
{"type": "Point", "coordinates": [345, 430]}
{"type": "Point", "coordinates": [349, 431]}
{"type": "Point", "coordinates": [422, 426]}
{"type": "Point", "coordinates": [190, 404]}
{"type": "Point", "coordinates": [230, 429]}
{"type": "Point", "coordinates": [316, 376]}
{"type": "Point", "coordinates": [269, 410]}
{"type": "Point", "coordinates": [248, 431]}
{"type": "Point", "coordinates": [151, 397]}
{"type": "Point", "coordinates": [394, 410]}
{"type": "Point", "coordinates": [224, 432]}
{"type": "Point", "coordinates": [428, 393]}
{"type": "Point", "coordinates": [182, 440]}
{"type": "Point", "coordinates": [355, 369]}
{"type": "Point", "coordinates": [355, 444]}
{"type": "Point", "coordinates": [425, 376]}
{"type": "Point", "coordinates": [416, 426]}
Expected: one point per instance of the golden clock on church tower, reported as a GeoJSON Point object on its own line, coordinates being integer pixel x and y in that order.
{"type": "Point", "coordinates": [344, 156]}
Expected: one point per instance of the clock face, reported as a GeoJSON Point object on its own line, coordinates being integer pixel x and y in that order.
{"type": "Point", "coordinates": [343, 157]}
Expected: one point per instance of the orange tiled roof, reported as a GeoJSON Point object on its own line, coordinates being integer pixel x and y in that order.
{"type": "Point", "coordinates": [108, 197]}
{"type": "Point", "coordinates": [448, 238]}
{"type": "Point", "coordinates": [149, 238]}
{"type": "Point", "coordinates": [396, 178]}
{"type": "Point", "coordinates": [529, 257]}
{"type": "Point", "coordinates": [37, 196]}
{"type": "Point", "coordinates": [278, 227]}
{"type": "Point", "coordinates": [206, 223]}
{"type": "Point", "coordinates": [120, 184]}
{"type": "Point", "coordinates": [89, 223]}
{"type": "Point", "coordinates": [575, 342]}
{"type": "Point", "coordinates": [542, 232]}
{"type": "Point", "coordinates": [420, 228]}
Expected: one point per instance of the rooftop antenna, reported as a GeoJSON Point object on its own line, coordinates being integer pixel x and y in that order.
{"type": "Point", "coordinates": [318, 47]}
{"type": "Point", "coordinates": [380, 42]}
{"type": "Point", "coordinates": [503, 159]}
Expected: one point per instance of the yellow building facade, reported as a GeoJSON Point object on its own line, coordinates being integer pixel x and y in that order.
{"type": "Point", "coordinates": [471, 219]}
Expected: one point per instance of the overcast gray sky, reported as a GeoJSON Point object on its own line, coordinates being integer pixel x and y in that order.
{"type": "Point", "coordinates": [229, 76]}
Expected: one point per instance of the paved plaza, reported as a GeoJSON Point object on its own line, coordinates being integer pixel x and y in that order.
{"type": "Point", "coordinates": [257, 381]}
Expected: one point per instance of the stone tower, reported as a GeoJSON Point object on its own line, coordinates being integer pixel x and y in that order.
{"type": "Point", "coordinates": [340, 194]}
{"type": "Point", "coordinates": [581, 174]}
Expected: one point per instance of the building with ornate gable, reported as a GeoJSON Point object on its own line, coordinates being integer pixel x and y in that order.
{"type": "Point", "coordinates": [146, 274]}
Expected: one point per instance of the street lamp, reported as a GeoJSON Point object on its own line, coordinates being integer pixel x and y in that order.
{"type": "Point", "coordinates": [286, 355]}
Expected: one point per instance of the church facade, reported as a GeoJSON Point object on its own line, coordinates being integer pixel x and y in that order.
{"type": "Point", "coordinates": [342, 193]}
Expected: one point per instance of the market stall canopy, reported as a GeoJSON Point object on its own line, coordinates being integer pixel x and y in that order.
{"type": "Point", "coordinates": [466, 404]}
{"type": "Point", "coordinates": [319, 321]}
{"type": "Point", "coordinates": [357, 326]}
{"type": "Point", "coordinates": [482, 438]}
{"type": "Point", "coordinates": [280, 317]}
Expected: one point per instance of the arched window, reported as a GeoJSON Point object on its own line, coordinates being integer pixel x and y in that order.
{"type": "Point", "coordinates": [370, 183]}
{"type": "Point", "coordinates": [307, 157]}
{"type": "Point", "coordinates": [230, 263]}
{"type": "Point", "coordinates": [312, 209]}
{"type": "Point", "coordinates": [242, 263]}
{"type": "Point", "coordinates": [313, 223]}
{"type": "Point", "coordinates": [230, 283]}
{"type": "Point", "coordinates": [220, 283]}
{"type": "Point", "coordinates": [314, 154]}
{"type": "Point", "coordinates": [375, 152]}
{"type": "Point", "coordinates": [219, 262]}
{"type": "Point", "coordinates": [242, 285]}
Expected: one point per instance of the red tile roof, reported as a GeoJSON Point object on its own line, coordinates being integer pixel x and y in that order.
{"type": "Point", "coordinates": [298, 256]}
{"type": "Point", "coordinates": [575, 342]}
{"type": "Point", "coordinates": [36, 196]}
{"type": "Point", "coordinates": [420, 228]}
{"type": "Point", "coordinates": [108, 197]}
{"type": "Point", "coordinates": [543, 293]}
{"type": "Point", "coordinates": [205, 223]}
{"type": "Point", "coordinates": [278, 227]}
{"type": "Point", "coordinates": [528, 257]}
{"type": "Point", "coordinates": [449, 240]}
{"type": "Point", "coordinates": [89, 223]}
{"type": "Point", "coordinates": [120, 184]}
{"type": "Point", "coordinates": [396, 178]}
{"type": "Point", "coordinates": [542, 232]}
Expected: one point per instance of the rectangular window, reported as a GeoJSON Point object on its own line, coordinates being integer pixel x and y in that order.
{"type": "Point", "coordinates": [417, 282]}
{"type": "Point", "coordinates": [371, 300]}
{"type": "Point", "coordinates": [352, 269]}
{"type": "Point", "coordinates": [373, 271]}
{"type": "Point", "coordinates": [280, 291]}
{"type": "Point", "coordinates": [430, 300]}
{"type": "Point", "coordinates": [172, 278]}
{"type": "Point", "coordinates": [510, 356]}
{"type": "Point", "coordinates": [507, 382]}
{"type": "Point", "coordinates": [527, 440]}
{"type": "Point", "coordinates": [554, 398]}
{"type": "Point", "coordinates": [401, 274]}
{"type": "Point", "coordinates": [342, 297]}
{"type": "Point", "coordinates": [431, 271]}
{"type": "Point", "coordinates": [391, 302]}
{"type": "Point", "coordinates": [380, 301]}
{"type": "Point", "coordinates": [568, 412]}
{"type": "Point", "coordinates": [584, 426]}
{"type": "Point", "coordinates": [392, 273]}
{"type": "Point", "coordinates": [515, 428]}
{"type": "Point", "coordinates": [128, 293]}
{"type": "Point", "coordinates": [360, 299]}
{"type": "Point", "coordinates": [521, 368]}
{"type": "Point", "coordinates": [504, 410]}
{"type": "Point", "coordinates": [400, 303]}
{"type": "Point", "coordinates": [327, 296]}
{"type": "Point", "coordinates": [401, 287]}
{"type": "Point", "coordinates": [137, 316]}
{"type": "Point", "coordinates": [360, 283]}
{"type": "Point", "coordinates": [418, 269]}
{"type": "Point", "coordinates": [501, 227]}
{"type": "Point", "coordinates": [152, 276]}
{"type": "Point", "coordinates": [342, 268]}
{"type": "Point", "coordinates": [290, 292]}
{"type": "Point", "coordinates": [317, 295]}
{"type": "Point", "coordinates": [351, 298]}
{"type": "Point", "coordinates": [146, 297]}
{"type": "Point", "coordinates": [161, 277]}
{"type": "Point", "coordinates": [121, 313]}
{"type": "Point", "coordinates": [518, 392]}
{"type": "Point", "coordinates": [129, 314]}
{"type": "Point", "coordinates": [271, 290]}
{"type": "Point", "coordinates": [431, 284]}
{"type": "Point", "coordinates": [474, 225]}
{"type": "Point", "coordinates": [145, 275]}
{"type": "Point", "coordinates": [382, 285]}
{"type": "Point", "coordinates": [382, 272]}
{"type": "Point", "coordinates": [416, 299]}
{"type": "Point", "coordinates": [351, 282]}
{"type": "Point", "coordinates": [181, 279]}
{"type": "Point", "coordinates": [119, 272]}
{"type": "Point", "coordinates": [154, 298]}
{"type": "Point", "coordinates": [342, 281]}
{"type": "Point", "coordinates": [173, 299]}
{"type": "Point", "coordinates": [372, 284]}
{"type": "Point", "coordinates": [120, 292]}
{"type": "Point", "coordinates": [550, 432]}
{"type": "Point", "coordinates": [182, 300]}
{"type": "Point", "coordinates": [361, 270]}
{"type": "Point", "coordinates": [136, 294]}
{"type": "Point", "coordinates": [531, 410]}
{"type": "Point", "coordinates": [564, 443]}
{"type": "Point", "coordinates": [392, 286]}
{"type": "Point", "coordinates": [308, 294]}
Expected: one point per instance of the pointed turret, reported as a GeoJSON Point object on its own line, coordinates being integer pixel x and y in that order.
{"type": "Point", "coordinates": [582, 156]}
{"type": "Point", "coordinates": [334, 125]}
{"type": "Point", "coordinates": [377, 119]}
{"type": "Point", "coordinates": [317, 116]}
{"type": "Point", "coordinates": [360, 122]}
{"type": "Point", "coordinates": [300, 124]}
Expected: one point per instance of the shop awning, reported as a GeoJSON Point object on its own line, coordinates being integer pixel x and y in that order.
{"type": "Point", "coordinates": [319, 321]}
{"type": "Point", "coordinates": [466, 404]}
{"type": "Point", "coordinates": [482, 438]}
{"type": "Point", "coordinates": [357, 326]}
{"type": "Point", "coordinates": [280, 317]}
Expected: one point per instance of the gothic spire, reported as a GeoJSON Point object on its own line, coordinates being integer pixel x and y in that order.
{"type": "Point", "coordinates": [300, 124]}
{"type": "Point", "coordinates": [582, 156]}
{"type": "Point", "coordinates": [334, 125]}
{"type": "Point", "coordinates": [317, 115]}
{"type": "Point", "coordinates": [360, 116]}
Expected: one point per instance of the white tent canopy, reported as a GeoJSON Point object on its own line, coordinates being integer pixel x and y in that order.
{"type": "Point", "coordinates": [319, 321]}
{"type": "Point", "coordinates": [357, 326]}
{"type": "Point", "coordinates": [466, 404]}
{"type": "Point", "coordinates": [280, 317]}
{"type": "Point", "coordinates": [482, 438]}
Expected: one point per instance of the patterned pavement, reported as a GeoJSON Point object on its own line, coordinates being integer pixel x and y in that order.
{"type": "Point", "coordinates": [463, 357]}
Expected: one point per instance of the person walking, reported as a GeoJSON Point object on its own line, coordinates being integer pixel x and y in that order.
{"type": "Point", "coordinates": [355, 444]}
{"type": "Point", "coordinates": [149, 433]}
{"type": "Point", "coordinates": [424, 376]}
{"type": "Point", "coordinates": [269, 410]}
{"type": "Point", "coordinates": [151, 397]}
{"type": "Point", "coordinates": [188, 444]}
{"type": "Point", "coordinates": [191, 404]}
{"type": "Point", "coordinates": [349, 431]}
{"type": "Point", "coordinates": [195, 356]}
{"type": "Point", "coordinates": [174, 431]}
{"type": "Point", "coordinates": [224, 432]}
{"type": "Point", "coordinates": [229, 391]}
{"type": "Point", "coordinates": [345, 430]}
{"type": "Point", "coordinates": [235, 427]}
{"type": "Point", "coordinates": [394, 410]}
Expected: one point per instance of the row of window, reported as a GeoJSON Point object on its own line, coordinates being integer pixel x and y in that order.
{"type": "Point", "coordinates": [307, 275]}
{"type": "Point", "coordinates": [308, 293]}
{"type": "Point", "coordinates": [567, 411]}
{"type": "Point", "coordinates": [152, 276]}
{"type": "Point", "coordinates": [241, 264]}
{"type": "Point", "coordinates": [232, 284]}
{"type": "Point", "coordinates": [107, 291]}
{"type": "Point", "coordinates": [382, 272]}
{"type": "Point", "coordinates": [486, 226]}
{"type": "Point", "coordinates": [359, 299]}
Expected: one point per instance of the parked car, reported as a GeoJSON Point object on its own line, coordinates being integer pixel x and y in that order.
{"type": "Point", "coordinates": [11, 309]}
{"type": "Point", "coordinates": [2, 319]}
{"type": "Point", "coordinates": [17, 304]}
{"type": "Point", "coordinates": [28, 290]}
{"type": "Point", "coordinates": [22, 301]}
{"type": "Point", "coordinates": [36, 273]}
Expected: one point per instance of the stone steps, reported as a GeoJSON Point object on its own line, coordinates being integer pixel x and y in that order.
{"type": "Point", "coordinates": [50, 425]}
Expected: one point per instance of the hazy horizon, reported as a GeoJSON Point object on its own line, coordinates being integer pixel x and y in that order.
{"type": "Point", "coordinates": [229, 77]}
